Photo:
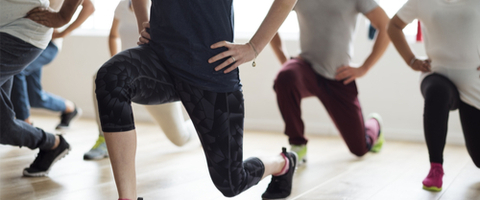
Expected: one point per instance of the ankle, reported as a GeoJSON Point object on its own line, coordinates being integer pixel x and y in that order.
{"type": "Point", "coordinates": [285, 167]}
{"type": "Point", "coordinates": [57, 142]}
{"type": "Point", "coordinates": [69, 106]}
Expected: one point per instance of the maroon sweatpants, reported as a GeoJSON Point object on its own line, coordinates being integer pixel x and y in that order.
{"type": "Point", "coordinates": [297, 80]}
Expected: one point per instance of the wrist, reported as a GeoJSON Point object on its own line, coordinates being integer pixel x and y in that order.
{"type": "Point", "coordinates": [412, 61]}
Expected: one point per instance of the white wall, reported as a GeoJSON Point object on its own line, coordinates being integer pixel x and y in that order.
{"type": "Point", "coordinates": [390, 88]}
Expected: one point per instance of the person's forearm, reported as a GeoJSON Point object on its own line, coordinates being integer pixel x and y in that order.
{"type": "Point", "coordinates": [87, 10]}
{"type": "Point", "coordinates": [68, 9]}
{"type": "Point", "coordinates": [274, 19]}
{"type": "Point", "coordinates": [277, 47]}
{"type": "Point", "coordinates": [141, 12]}
{"type": "Point", "coordinates": [399, 41]}
{"type": "Point", "coordinates": [380, 46]}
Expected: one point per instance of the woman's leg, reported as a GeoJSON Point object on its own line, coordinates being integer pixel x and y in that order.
{"type": "Point", "coordinates": [218, 119]}
{"type": "Point", "coordinates": [170, 118]}
{"type": "Point", "coordinates": [132, 75]}
{"type": "Point", "coordinates": [470, 118]}
{"type": "Point", "coordinates": [441, 96]}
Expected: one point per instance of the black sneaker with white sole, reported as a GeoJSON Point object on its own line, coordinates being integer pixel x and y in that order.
{"type": "Point", "coordinates": [281, 186]}
{"type": "Point", "coordinates": [66, 118]}
{"type": "Point", "coordinates": [46, 158]}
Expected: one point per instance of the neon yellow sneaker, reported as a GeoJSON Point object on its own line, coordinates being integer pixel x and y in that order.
{"type": "Point", "coordinates": [377, 146]}
{"type": "Point", "coordinates": [301, 151]}
{"type": "Point", "coordinates": [98, 151]}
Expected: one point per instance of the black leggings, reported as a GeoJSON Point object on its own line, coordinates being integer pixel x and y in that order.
{"type": "Point", "coordinates": [441, 96]}
{"type": "Point", "coordinates": [138, 75]}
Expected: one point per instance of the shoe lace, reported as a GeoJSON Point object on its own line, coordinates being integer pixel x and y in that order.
{"type": "Point", "coordinates": [38, 159]}
{"type": "Point", "coordinates": [99, 142]}
{"type": "Point", "coordinates": [435, 172]}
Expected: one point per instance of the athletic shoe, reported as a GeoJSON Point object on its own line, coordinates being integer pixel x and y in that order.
{"type": "Point", "coordinates": [434, 182]}
{"type": "Point", "coordinates": [98, 151]}
{"type": "Point", "coordinates": [66, 118]}
{"type": "Point", "coordinates": [46, 158]}
{"type": "Point", "coordinates": [281, 186]}
{"type": "Point", "coordinates": [301, 151]}
{"type": "Point", "coordinates": [377, 146]}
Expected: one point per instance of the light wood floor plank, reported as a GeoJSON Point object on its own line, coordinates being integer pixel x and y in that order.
{"type": "Point", "coordinates": [165, 171]}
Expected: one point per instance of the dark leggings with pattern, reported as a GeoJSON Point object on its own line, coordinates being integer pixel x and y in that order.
{"type": "Point", "coordinates": [441, 96]}
{"type": "Point", "coordinates": [137, 75]}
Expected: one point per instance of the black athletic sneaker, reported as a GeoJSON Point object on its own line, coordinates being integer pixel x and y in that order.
{"type": "Point", "coordinates": [281, 186]}
{"type": "Point", "coordinates": [66, 118]}
{"type": "Point", "coordinates": [46, 158]}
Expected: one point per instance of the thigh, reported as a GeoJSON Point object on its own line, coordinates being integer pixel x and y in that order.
{"type": "Point", "coordinates": [436, 87]}
{"type": "Point", "coordinates": [15, 55]}
{"type": "Point", "coordinates": [47, 56]}
{"type": "Point", "coordinates": [138, 75]}
{"type": "Point", "coordinates": [134, 75]}
{"type": "Point", "coordinates": [296, 76]}
{"type": "Point", "coordinates": [218, 119]}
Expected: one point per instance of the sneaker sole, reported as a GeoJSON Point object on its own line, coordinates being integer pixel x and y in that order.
{"type": "Point", "coordinates": [432, 188]}
{"type": "Point", "coordinates": [45, 173]}
{"type": "Point", "coordinates": [94, 158]}
{"type": "Point", "coordinates": [79, 114]}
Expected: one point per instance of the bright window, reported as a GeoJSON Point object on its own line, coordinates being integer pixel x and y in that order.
{"type": "Point", "coordinates": [247, 18]}
{"type": "Point", "coordinates": [100, 22]}
{"type": "Point", "coordinates": [391, 7]}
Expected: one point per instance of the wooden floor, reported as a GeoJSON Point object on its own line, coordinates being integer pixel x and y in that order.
{"type": "Point", "coordinates": [166, 172]}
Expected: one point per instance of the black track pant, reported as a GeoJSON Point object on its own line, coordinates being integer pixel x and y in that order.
{"type": "Point", "coordinates": [137, 75]}
{"type": "Point", "coordinates": [441, 96]}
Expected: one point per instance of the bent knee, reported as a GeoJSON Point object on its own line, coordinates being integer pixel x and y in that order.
{"type": "Point", "coordinates": [359, 152]}
{"type": "Point", "coordinates": [227, 191]}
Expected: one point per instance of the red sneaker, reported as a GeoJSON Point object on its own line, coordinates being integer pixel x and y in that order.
{"type": "Point", "coordinates": [433, 182]}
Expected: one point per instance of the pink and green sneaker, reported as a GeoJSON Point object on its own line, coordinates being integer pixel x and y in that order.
{"type": "Point", "coordinates": [433, 181]}
{"type": "Point", "coordinates": [377, 146]}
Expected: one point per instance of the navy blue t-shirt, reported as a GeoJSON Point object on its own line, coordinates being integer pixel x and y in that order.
{"type": "Point", "coordinates": [182, 32]}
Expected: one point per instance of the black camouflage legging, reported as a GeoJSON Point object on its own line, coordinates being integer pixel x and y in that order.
{"type": "Point", "coordinates": [137, 75]}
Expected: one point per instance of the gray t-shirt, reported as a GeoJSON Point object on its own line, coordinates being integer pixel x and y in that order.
{"type": "Point", "coordinates": [326, 31]}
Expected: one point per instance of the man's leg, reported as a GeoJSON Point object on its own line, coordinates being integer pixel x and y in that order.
{"type": "Point", "coordinates": [19, 97]}
{"type": "Point", "coordinates": [170, 118]}
{"type": "Point", "coordinates": [296, 80]}
{"type": "Point", "coordinates": [99, 149]}
{"type": "Point", "coordinates": [15, 55]}
{"type": "Point", "coordinates": [341, 103]}
{"type": "Point", "coordinates": [27, 86]}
